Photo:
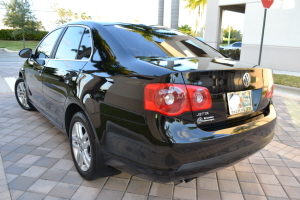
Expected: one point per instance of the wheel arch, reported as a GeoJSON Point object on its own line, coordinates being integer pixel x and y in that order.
{"type": "Point", "coordinates": [103, 170]}
{"type": "Point", "coordinates": [69, 113]}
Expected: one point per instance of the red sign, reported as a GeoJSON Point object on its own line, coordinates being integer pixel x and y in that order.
{"type": "Point", "coordinates": [267, 3]}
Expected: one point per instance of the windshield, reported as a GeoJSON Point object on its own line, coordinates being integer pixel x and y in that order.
{"type": "Point", "coordinates": [145, 41]}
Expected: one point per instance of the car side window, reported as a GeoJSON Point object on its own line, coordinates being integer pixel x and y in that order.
{"type": "Point", "coordinates": [68, 47]}
{"type": "Point", "coordinates": [46, 46]}
{"type": "Point", "coordinates": [85, 47]}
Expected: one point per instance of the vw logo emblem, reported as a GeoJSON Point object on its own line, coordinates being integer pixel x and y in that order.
{"type": "Point", "coordinates": [246, 79]}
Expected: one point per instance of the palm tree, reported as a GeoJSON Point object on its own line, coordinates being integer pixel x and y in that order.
{"type": "Point", "coordinates": [196, 4]}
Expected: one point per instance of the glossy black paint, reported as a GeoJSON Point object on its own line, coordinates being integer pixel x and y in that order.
{"type": "Point", "coordinates": [25, 53]}
{"type": "Point", "coordinates": [109, 88]}
{"type": "Point", "coordinates": [58, 79]}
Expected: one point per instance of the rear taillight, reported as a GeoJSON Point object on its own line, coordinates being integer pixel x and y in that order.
{"type": "Point", "coordinates": [200, 97]}
{"type": "Point", "coordinates": [175, 99]}
{"type": "Point", "coordinates": [270, 89]}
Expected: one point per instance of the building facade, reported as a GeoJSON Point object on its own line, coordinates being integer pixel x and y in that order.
{"type": "Point", "coordinates": [281, 47]}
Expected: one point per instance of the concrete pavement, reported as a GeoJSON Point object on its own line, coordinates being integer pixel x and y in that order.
{"type": "Point", "coordinates": [286, 73]}
{"type": "Point", "coordinates": [10, 64]}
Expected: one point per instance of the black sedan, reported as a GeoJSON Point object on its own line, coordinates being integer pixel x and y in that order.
{"type": "Point", "coordinates": [146, 100]}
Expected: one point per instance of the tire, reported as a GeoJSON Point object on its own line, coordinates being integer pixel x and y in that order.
{"type": "Point", "coordinates": [21, 95]}
{"type": "Point", "coordinates": [83, 147]}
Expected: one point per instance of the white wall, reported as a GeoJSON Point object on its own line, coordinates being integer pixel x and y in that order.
{"type": "Point", "coordinates": [281, 48]}
{"type": "Point", "coordinates": [235, 2]}
{"type": "Point", "coordinates": [282, 25]}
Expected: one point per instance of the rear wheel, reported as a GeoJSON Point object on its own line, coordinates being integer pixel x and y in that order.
{"type": "Point", "coordinates": [83, 148]}
{"type": "Point", "coordinates": [21, 95]}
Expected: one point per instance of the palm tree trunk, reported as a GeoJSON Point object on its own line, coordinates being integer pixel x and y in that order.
{"type": "Point", "coordinates": [23, 34]}
{"type": "Point", "coordinates": [197, 21]}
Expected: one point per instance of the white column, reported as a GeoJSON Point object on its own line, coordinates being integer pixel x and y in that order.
{"type": "Point", "coordinates": [213, 23]}
{"type": "Point", "coordinates": [161, 8]}
{"type": "Point", "coordinates": [175, 14]}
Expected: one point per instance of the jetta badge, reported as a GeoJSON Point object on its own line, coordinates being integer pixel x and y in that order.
{"type": "Point", "coordinates": [246, 79]}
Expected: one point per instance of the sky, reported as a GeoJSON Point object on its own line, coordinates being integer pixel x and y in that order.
{"type": "Point", "coordinates": [102, 10]}
{"type": "Point", "coordinates": [139, 11]}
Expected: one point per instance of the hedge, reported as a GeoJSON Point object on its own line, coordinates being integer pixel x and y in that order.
{"type": "Point", "coordinates": [6, 34]}
{"type": "Point", "coordinates": [232, 53]}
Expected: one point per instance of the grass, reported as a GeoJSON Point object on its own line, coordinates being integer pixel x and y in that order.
{"type": "Point", "coordinates": [287, 80]}
{"type": "Point", "coordinates": [17, 45]}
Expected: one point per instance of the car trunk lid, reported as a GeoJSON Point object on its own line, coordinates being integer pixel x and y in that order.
{"type": "Point", "coordinates": [237, 94]}
{"type": "Point", "coordinates": [237, 89]}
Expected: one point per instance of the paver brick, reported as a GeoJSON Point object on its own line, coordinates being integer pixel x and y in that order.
{"type": "Point", "coordinates": [161, 190]}
{"type": "Point", "coordinates": [21, 183]}
{"type": "Point", "coordinates": [42, 186]}
{"type": "Point", "coordinates": [118, 184]}
{"type": "Point", "coordinates": [139, 187]}
{"type": "Point", "coordinates": [109, 195]}
{"type": "Point", "coordinates": [64, 190]}
{"type": "Point", "coordinates": [274, 191]}
{"type": "Point", "coordinates": [229, 186]}
{"type": "Point", "coordinates": [84, 192]}
{"type": "Point", "coordinates": [208, 194]}
{"type": "Point", "coordinates": [184, 193]}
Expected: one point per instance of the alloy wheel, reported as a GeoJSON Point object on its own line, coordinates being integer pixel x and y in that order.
{"type": "Point", "coordinates": [81, 146]}
{"type": "Point", "coordinates": [21, 93]}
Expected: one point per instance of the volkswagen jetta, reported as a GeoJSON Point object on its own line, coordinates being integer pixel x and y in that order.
{"type": "Point", "coordinates": [146, 100]}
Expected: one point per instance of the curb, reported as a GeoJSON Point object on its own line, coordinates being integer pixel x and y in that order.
{"type": "Point", "coordinates": [287, 90]}
{"type": "Point", "coordinates": [9, 51]}
{"type": "Point", "coordinates": [290, 73]}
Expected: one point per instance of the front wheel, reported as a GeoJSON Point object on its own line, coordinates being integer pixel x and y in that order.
{"type": "Point", "coordinates": [83, 148]}
{"type": "Point", "coordinates": [21, 95]}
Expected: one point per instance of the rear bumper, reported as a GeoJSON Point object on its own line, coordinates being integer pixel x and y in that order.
{"type": "Point", "coordinates": [165, 162]}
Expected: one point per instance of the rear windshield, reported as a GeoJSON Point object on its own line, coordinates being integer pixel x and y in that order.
{"type": "Point", "coordinates": [145, 41]}
{"type": "Point", "coordinates": [237, 44]}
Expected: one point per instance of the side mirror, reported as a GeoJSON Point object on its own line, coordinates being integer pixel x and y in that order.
{"type": "Point", "coordinates": [25, 53]}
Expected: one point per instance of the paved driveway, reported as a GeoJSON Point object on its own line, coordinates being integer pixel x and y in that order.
{"type": "Point", "coordinates": [10, 64]}
{"type": "Point", "coordinates": [36, 164]}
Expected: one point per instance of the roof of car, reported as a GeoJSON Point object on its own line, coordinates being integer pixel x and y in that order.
{"type": "Point", "coordinates": [105, 23]}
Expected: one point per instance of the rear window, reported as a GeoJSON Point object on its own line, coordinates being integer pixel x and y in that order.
{"type": "Point", "coordinates": [146, 41]}
{"type": "Point", "coordinates": [238, 44]}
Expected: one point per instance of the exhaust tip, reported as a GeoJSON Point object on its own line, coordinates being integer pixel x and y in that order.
{"type": "Point", "coordinates": [188, 180]}
{"type": "Point", "coordinates": [177, 182]}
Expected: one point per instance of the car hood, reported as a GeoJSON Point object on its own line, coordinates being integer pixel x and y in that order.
{"type": "Point", "coordinates": [197, 63]}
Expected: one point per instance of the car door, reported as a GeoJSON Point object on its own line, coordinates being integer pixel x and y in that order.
{"type": "Point", "coordinates": [60, 73]}
{"type": "Point", "coordinates": [35, 65]}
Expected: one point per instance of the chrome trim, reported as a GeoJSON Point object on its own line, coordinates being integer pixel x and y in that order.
{"type": "Point", "coordinates": [64, 26]}
{"type": "Point", "coordinates": [91, 41]}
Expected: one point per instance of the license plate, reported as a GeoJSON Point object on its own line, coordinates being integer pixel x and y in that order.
{"type": "Point", "coordinates": [239, 102]}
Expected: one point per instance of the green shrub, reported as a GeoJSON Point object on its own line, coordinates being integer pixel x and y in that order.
{"type": "Point", "coordinates": [185, 29]}
{"type": "Point", "coordinates": [232, 53]}
{"type": "Point", "coordinates": [6, 34]}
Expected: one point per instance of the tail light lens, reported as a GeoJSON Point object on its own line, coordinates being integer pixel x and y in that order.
{"type": "Point", "coordinates": [200, 97]}
{"type": "Point", "coordinates": [270, 90]}
{"type": "Point", "coordinates": [175, 99]}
